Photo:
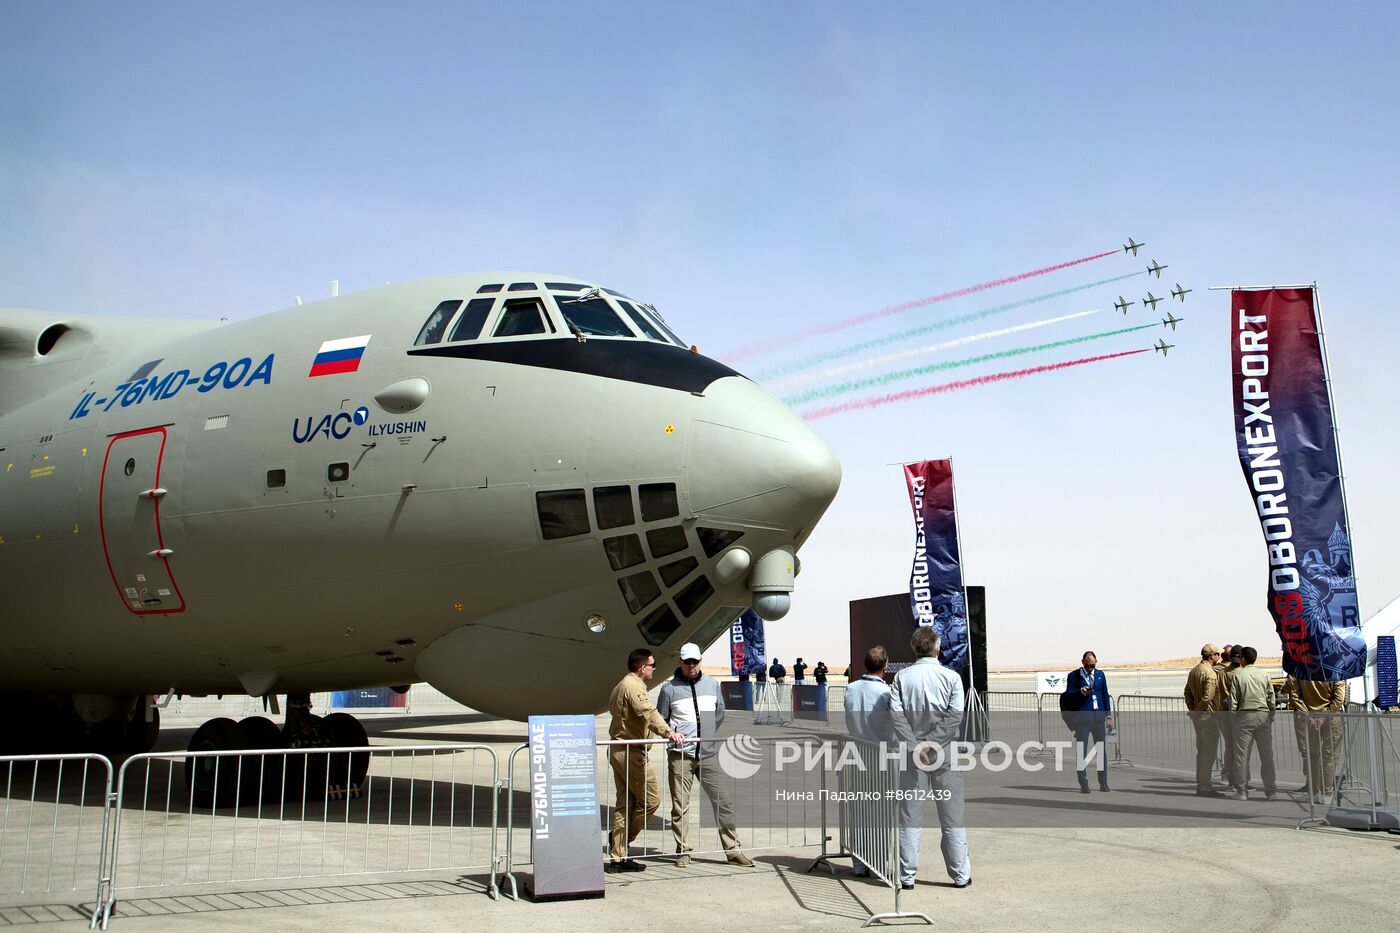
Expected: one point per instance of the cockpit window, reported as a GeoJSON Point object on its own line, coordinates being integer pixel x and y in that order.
{"type": "Point", "coordinates": [643, 325]}
{"type": "Point", "coordinates": [592, 316]}
{"type": "Point", "coordinates": [522, 287]}
{"type": "Point", "coordinates": [656, 316]}
{"type": "Point", "coordinates": [564, 286]}
{"type": "Point", "coordinates": [437, 322]}
{"type": "Point", "coordinates": [469, 324]}
{"type": "Point", "coordinates": [617, 294]}
{"type": "Point", "coordinates": [521, 317]}
{"type": "Point", "coordinates": [489, 289]}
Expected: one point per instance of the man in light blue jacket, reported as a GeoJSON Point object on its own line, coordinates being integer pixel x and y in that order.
{"type": "Point", "coordinates": [927, 706]}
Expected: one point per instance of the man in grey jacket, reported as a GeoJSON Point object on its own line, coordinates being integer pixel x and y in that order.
{"type": "Point", "coordinates": [691, 702]}
{"type": "Point", "coordinates": [926, 704]}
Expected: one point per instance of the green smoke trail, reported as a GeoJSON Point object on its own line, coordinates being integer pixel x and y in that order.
{"type": "Point", "coordinates": [978, 315]}
{"type": "Point", "coordinates": [841, 388]}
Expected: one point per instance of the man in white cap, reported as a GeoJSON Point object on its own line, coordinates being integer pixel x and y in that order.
{"type": "Point", "coordinates": [692, 704]}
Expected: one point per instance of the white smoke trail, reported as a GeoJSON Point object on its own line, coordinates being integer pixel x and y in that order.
{"type": "Point", "coordinates": [820, 374]}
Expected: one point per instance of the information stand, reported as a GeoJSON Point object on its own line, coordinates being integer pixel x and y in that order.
{"type": "Point", "coordinates": [564, 808]}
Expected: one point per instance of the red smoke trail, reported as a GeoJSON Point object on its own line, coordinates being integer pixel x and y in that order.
{"type": "Point", "coordinates": [755, 348]}
{"type": "Point", "coordinates": [876, 401]}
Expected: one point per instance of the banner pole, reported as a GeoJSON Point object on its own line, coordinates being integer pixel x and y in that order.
{"type": "Point", "coordinates": [1367, 679]}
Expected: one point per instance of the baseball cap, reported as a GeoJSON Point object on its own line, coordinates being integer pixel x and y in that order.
{"type": "Point", "coordinates": [690, 651]}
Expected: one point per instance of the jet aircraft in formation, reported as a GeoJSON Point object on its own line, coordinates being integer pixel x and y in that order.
{"type": "Point", "coordinates": [1161, 346]}
{"type": "Point", "coordinates": [1170, 321]}
{"type": "Point", "coordinates": [438, 481]}
{"type": "Point", "coordinates": [1122, 306]}
{"type": "Point", "coordinates": [1132, 247]}
{"type": "Point", "coordinates": [1156, 269]}
{"type": "Point", "coordinates": [1180, 292]}
{"type": "Point", "coordinates": [1151, 301]}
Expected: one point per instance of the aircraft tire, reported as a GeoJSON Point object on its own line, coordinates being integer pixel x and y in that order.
{"type": "Point", "coordinates": [261, 778]}
{"type": "Point", "coordinates": [341, 730]}
{"type": "Point", "coordinates": [213, 782]}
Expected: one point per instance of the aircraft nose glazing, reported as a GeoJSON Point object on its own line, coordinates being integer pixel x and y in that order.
{"type": "Point", "coordinates": [752, 460]}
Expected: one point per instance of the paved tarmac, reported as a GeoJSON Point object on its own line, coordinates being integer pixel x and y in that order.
{"type": "Point", "coordinates": [1146, 856]}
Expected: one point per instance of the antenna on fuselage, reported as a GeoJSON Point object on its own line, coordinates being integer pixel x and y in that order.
{"type": "Point", "coordinates": [298, 298]}
{"type": "Point", "coordinates": [335, 287]}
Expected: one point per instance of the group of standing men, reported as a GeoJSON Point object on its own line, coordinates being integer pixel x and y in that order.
{"type": "Point", "coordinates": [1229, 698]}
{"type": "Point", "coordinates": [689, 711]}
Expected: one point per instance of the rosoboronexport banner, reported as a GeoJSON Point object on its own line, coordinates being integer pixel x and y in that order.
{"type": "Point", "coordinates": [935, 580]}
{"type": "Point", "coordinates": [1288, 451]}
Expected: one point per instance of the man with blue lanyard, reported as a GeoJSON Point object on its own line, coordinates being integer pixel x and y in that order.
{"type": "Point", "coordinates": [1093, 717]}
{"type": "Point", "coordinates": [868, 719]}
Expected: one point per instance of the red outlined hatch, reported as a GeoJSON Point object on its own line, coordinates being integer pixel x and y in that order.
{"type": "Point", "coordinates": [128, 508]}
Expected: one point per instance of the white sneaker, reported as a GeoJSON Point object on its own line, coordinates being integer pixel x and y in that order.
{"type": "Point", "coordinates": [1241, 795]}
{"type": "Point", "coordinates": [1320, 799]}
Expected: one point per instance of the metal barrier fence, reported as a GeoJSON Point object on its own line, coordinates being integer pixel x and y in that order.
{"type": "Point", "coordinates": [772, 808]}
{"type": "Point", "coordinates": [1017, 717]}
{"type": "Point", "coordinates": [40, 852]}
{"type": "Point", "coordinates": [302, 813]}
{"type": "Point", "coordinates": [867, 809]}
{"type": "Point", "coordinates": [436, 808]}
{"type": "Point", "coordinates": [1353, 772]}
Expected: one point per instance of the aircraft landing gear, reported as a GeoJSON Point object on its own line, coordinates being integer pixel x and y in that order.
{"type": "Point", "coordinates": [217, 781]}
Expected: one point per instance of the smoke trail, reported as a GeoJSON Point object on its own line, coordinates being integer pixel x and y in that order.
{"type": "Point", "coordinates": [755, 348]}
{"type": "Point", "coordinates": [941, 324]}
{"type": "Point", "coordinates": [841, 388]}
{"type": "Point", "coordinates": [871, 363]}
{"type": "Point", "coordinates": [909, 394]}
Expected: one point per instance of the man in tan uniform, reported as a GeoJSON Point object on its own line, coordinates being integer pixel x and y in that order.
{"type": "Point", "coordinates": [1202, 697]}
{"type": "Point", "coordinates": [1319, 736]}
{"type": "Point", "coordinates": [634, 716]}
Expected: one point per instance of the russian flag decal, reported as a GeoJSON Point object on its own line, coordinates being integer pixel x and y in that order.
{"type": "Point", "coordinates": [339, 356]}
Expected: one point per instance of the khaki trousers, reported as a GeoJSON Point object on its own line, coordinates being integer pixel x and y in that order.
{"type": "Point", "coordinates": [1207, 738]}
{"type": "Point", "coordinates": [1322, 748]}
{"type": "Point", "coordinates": [638, 796]}
{"type": "Point", "coordinates": [682, 770]}
{"type": "Point", "coordinates": [1254, 727]}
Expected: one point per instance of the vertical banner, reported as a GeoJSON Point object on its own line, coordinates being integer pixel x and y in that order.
{"type": "Point", "coordinates": [935, 581]}
{"type": "Point", "coordinates": [746, 648]}
{"type": "Point", "coordinates": [1288, 451]}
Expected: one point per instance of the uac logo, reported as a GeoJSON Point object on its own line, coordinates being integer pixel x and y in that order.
{"type": "Point", "coordinates": [332, 425]}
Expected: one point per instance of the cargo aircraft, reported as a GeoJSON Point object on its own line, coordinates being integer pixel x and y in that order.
{"type": "Point", "coordinates": [496, 483]}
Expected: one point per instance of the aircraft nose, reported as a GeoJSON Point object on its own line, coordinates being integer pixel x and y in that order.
{"type": "Point", "coordinates": [752, 460]}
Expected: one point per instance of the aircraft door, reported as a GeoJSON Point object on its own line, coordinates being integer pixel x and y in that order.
{"type": "Point", "coordinates": [129, 510]}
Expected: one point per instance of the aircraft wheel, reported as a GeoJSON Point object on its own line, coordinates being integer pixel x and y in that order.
{"type": "Point", "coordinates": [262, 774]}
{"type": "Point", "coordinates": [213, 782]}
{"type": "Point", "coordinates": [341, 730]}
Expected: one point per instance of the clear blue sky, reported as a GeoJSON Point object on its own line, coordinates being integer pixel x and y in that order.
{"type": "Point", "coordinates": [755, 168]}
